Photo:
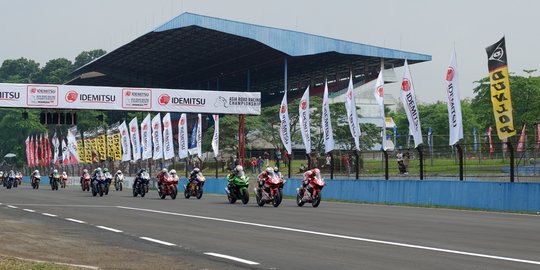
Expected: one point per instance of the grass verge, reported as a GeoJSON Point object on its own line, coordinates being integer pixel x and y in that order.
{"type": "Point", "coordinates": [11, 263]}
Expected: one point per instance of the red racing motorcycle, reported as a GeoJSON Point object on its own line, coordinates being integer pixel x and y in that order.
{"type": "Point", "coordinates": [168, 186]}
{"type": "Point", "coordinates": [270, 191]}
{"type": "Point", "coordinates": [311, 193]}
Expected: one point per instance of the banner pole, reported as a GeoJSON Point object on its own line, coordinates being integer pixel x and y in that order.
{"type": "Point", "coordinates": [385, 164]}
{"type": "Point", "coordinates": [460, 158]}
{"type": "Point", "coordinates": [512, 160]}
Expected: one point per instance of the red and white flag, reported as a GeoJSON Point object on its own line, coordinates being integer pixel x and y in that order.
{"type": "Point", "coordinates": [49, 152]}
{"type": "Point", "coordinates": [65, 152]}
{"type": "Point", "coordinates": [454, 103]}
{"type": "Point", "coordinates": [42, 150]}
{"type": "Point", "coordinates": [305, 128]}
{"type": "Point", "coordinates": [56, 145]}
{"type": "Point", "coordinates": [135, 139]}
{"type": "Point", "coordinates": [521, 143]}
{"type": "Point", "coordinates": [125, 141]}
{"type": "Point", "coordinates": [157, 137]}
{"type": "Point", "coordinates": [491, 149]}
{"type": "Point", "coordinates": [408, 98]}
{"type": "Point", "coordinates": [379, 97]}
{"type": "Point", "coordinates": [326, 119]}
{"type": "Point", "coordinates": [146, 138]}
{"type": "Point", "coordinates": [27, 143]}
{"type": "Point", "coordinates": [505, 146]}
{"type": "Point", "coordinates": [285, 124]}
{"type": "Point", "coordinates": [168, 145]}
{"type": "Point", "coordinates": [199, 135]}
{"type": "Point", "coordinates": [215, 138]}
{"type": "Point", "coordinates": [36, 150]}
{"type": "Point", "coordinates": [352, 117]}
{"type": "Point", "coordinates": [537, 136]}
{"type": "Point", "coordinates": [182, 137]}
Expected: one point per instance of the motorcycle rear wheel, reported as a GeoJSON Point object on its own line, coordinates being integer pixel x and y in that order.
{"type": "Point", "coordinates": [121, 186]}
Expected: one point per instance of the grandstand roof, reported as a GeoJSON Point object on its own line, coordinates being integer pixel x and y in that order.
{"type": "Point", "coordinates": [199, 52]}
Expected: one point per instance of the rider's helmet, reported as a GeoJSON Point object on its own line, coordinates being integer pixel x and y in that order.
{"type": "Point", "coordinates": [119, 172]}
{"type": "Point", "coordinates": [98, 170]}
{"type": "Point", "coordinates": [105, 170]}
{"type": "Point", "coordinates": [164, 170]}
{"type": "Point", "coordinates": [85, 171]}
{"type": "Point", "coordinates": [173, 172]}
{"type": "Point", "coordinates": [55, 171]}
{"type": "Point", "coordinates": [316, 172]}
{"type": "Point", "coordinates": [141, 171]}
{"type": "Point", "coordinates": [238, 168]}
{"type": "Point", "coordinates": [64, 173]}
{"type": "Point", "coordinates": [36, 172]}
{"type": "Point", "coordinates": [269, 170]}
{"type": "Point", "coordinates": [276, 169]}
{"type": "Point", "coordinates": [196, 170]}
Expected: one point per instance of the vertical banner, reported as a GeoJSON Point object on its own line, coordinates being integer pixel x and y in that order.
{"type": "Point", "coordinates": [395, 138]}
{"type": "Point", "coordinates": [537, 145]}
{"type": "Point", "coordinates": [87, 147]}
{"type": "Point", "coordinates": [352, 117]}
{"type": "Point", "coordinates": [326, 118]}
{"type": "Point", "coordinates": [124, 138]}
{"type": "Point", "coordinates": [182, 137]}
{"type": "Point", "coordinates": [379, 97]}
{"type": "Point", "coordinates": [491, 149]}
{"type": "Point", "coordinates": [135, 139]}
{"type": "Point", "coordinates": [500, 89]}
{"type": "Point", "coordinates": [454, 102]}
{"type": "Point", "coordinates": [41, 151]}
{"type": "Point", "coordinates": [80, 147]}
{"type": "Point", "coordinates": [46, 149]}
{"type": "Point", "coordinates": [49, 151]}
{"type": "Point", "coordinates": [215, 138]}
{"type": "Point", "coordinates": [72, 145]}
{"type": "Point", "coordinates": [116, 142]}
{"type": "Point", "coordinates": [168, 145]}
{"type": "Point", "coordinates": [521, 143]}
{"type": "Point", "coordinates": [101, 144]}
{"type": "Point", "coordinates": [429, 142]}
{"type": "Point", "coordinates": [157, 138]}
{"type": "Point", "coordinates": [303, 117]}
{"type": "Point", "coordinates": [475, 140]}
{"type": "Point", "coordinates": [146, 138]}
{"type": "Point", "coordinates": [65, 152]}
{"type": "Point", "coordinates": [111, 151]}
{"type": "Point", "coordinates": [505, 146]}
{"type": "Point", "coordinates": [284, 126]}
{"type": "Point", "coordinates": [36, 148]}
{"type": "Point", "coordinates": [199, 135]}
{"type": "Point", "coordinates": [409, 101]}
{"type": "Point", "coordinates": [27, 148]}
{"type": "Point", "coordinates": [193, 140]}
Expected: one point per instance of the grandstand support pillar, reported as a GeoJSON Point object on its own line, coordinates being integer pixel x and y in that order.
{"type": "Point", "coordinates": [421, 156]}
{"type": "Point", "coordinates": [460, 158]}
{"type": "Point", "coordinates": [512, 161]}
{"type": "Point", "coordinates": [385, 153]}
{"type": "Point", "coordinates": [241, 138]}
{"type": "Point", "coordinates": [331, 164]}
{"type": "Point", "coordinates": [357, 162]}
{"type": "Point", "coordinates": [217, 165]}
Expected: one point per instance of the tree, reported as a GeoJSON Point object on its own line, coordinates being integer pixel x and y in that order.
{"type": "Point", "coordinates": [56, 71]}
{"type": "Point", "coordinates": [86, 57]}
{"type": "Point", "coordinates": [21, 70]}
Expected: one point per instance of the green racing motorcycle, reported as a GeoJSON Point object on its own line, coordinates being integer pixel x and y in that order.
{"type": "Point", "coordinates": [237, 188]}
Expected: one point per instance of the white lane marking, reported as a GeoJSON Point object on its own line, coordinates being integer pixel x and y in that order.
{"type": "Point", "coordinates": [59, 263]}
{"type": "Point", "coordinates": [75, 220]}
{"type": "Point", "coordinates": [29, 210]}
{"type": "Point", "coordinates": [49, 215]}
{"type": "Point", "coordinates": [231, 258]}
{"type": "Point", "coordinates": [341, 236]}
{"type": "Point", "coordinates": [11, 206]}
{"type": "Point", "coordinates": [64, 205]}
{"type": "Point", "coordinates": [109, 229]}
{"type": "Point", "coordinates": [157, 241]}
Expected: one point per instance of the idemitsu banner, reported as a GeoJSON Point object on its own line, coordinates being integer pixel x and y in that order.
{"type": "Point", "coordinates": [146, 138]}
{"type": "Point", "coordinates": [326, 124]}
{"type": "Point", "coordinates": [379, 97]}
{"type": "Point", "coordinates": [135, 139]}
{"type": "Point", "coordinates": [182, 137]}
{"type": "Point", "coordinates": [138, 99]}
{"type": "Point", "coordinates": [500, 89]}
{"type": "Point", "coordinates": [284, 127]}
{"type": "Point", "coordinates": [126, 148]}
{"type": "Point", "coordinates": [352, 117]}
{"type": "Point", "coordinates": [409, 101]}
{"type": "Point", "coordinates": [454, 102]}
{"type": "Point", "coordinates": [305, 128]}
{"type": "Point", "coordinates": [157, 138]}
{"type": "Point", "coordinates": [215, 138]}
{"type": "Point", "coordinates": [168, 145]}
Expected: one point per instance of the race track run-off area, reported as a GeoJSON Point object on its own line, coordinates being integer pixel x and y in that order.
{"type": "Point", "coordinates": [213, 234]}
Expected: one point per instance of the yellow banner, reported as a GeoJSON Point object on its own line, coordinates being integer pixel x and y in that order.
{"type": "Point", "coordinates": [502, 103]}
{"type": "Point", "coordinates": [110, 149]}
{"type": "Point", "coordinates": [87, 151]}
{"type": "Point", "coordinates": [80, 150]}
{"type": "Point", "coordinates": [95, 151]}
{"type": "Point", "coordinates": [102, 147]}
{"type": "Point", "coordinates": [116, 145]}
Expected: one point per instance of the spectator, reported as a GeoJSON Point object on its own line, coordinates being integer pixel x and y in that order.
{"type": "Point", "coordinates": [277, 156]}
{"type": "Point", "coordinates": [401, 166]}
{"type": "Point", "coordinates": [406, 158]}
{"type": "Point", "coordinates": [253, 165]}
{"type": "Point", "coordinates": [302, 168]}
{"type": "Point", "coordinates": [266, 156]}
{"type": "Point", "coordinates": [345, 163]}
{"type": "Point", "coordinates": [259, 164]}
{"type": "Point", "coordinates": [286, 159]}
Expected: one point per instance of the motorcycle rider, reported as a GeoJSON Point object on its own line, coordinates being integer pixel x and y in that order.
{"type": "Point", "coordinates": [33, 175]}
{"type": "Point", "coordinates": [193, 175]}
{"type": "Point", "coordinates": [108, 180]}
{"type": "Point", "coordinates": [138, 177]}
{"type": "Point", "coordinates": [85, 171]}
{"type": "Point", "coordinates": [117, 175]}
{"type": "Point", "coordinates": [262, 176]}
{"type": "Point", "coordinates": [236, 172]}
{"type": "Point", "coordinates": [55, 171]}
{"type": "Point", "coordinates": [174, 175]}
{"type": "Point", "coordinates": [95, 172]}
{"type": "Point", "coordinates": [310, 176]}
{"type": "Point", "coordinates": [159, 177]}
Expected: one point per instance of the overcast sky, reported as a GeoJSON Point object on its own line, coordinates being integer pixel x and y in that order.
{"type": "Point", "coordinates": [48, 29]}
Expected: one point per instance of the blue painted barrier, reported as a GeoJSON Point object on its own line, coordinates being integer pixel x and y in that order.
{"type": "Point", "coordinates": [504, 196]}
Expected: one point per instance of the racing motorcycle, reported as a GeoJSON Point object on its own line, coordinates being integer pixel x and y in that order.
{"type": "Point", "coordinates": [85, 184]}
{"type": "Point", "coordinates": [18, 179]}
{"type": "Point", "coordinates": [2, 178]}
{"type": "Point", "coordinates": [195, 188]}
{"type": "Point", "coordinates": [270, 191]}
{"type": "Point", "coordinates": [108, 180]}
{"type": "Point", "coordinates": [64, 180]}
{"type": "Point", "coordinates": [140, 185]}
{"type": "Point", "coordinates": [311, 193]}
{"type": "Point", "coordinates": [98, 184]}
{"type": "Point", "coordinates": [9, 180]}
{"type": "Point", "coordinates": [168, 186]}
{"type": "Point", "coordinates": [54, 181]}
{"type": "Point", "coordinates": [238, 189]}
{"type": "Point", "coordinates": [119, 182]}
{"type": "Point", "coordinates": [35, 181]}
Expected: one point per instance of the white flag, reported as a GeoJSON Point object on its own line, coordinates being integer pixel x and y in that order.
{"type": "Point", "coordinates": [65, 153]}
{"type": "Point", "coordinates": [124, 141]}
{"type": "Point", "coordinates": [409, 102]}
{"type": "Point", "coordinates": [56, 144]}
{"type": "Point", "coordinates": [379, 97]}
{"type": "Point", "coordinates": [168, 145]}
{"type": "Point", "coordinates": [285, 127]}
{"type": "Point", "coordinates": [157, 138]}
{"type": "Point", "coordinates": [215, 139]}
{"type": "Point", "coordinates": [146, 138]}
{"type": "Point", "coordinates": [182, 136]}
{"type": "Point", "coordinates": [72, 145]}
{"type": "Point", "coordinates": [303, 111]}
{"type": "Point", "coordinates": [135, 138]}
{"type": "Point", "coordinates": [352, 117]}
{"type": "Point", "coordinates": [326, 119]}
{"type": "Point", "coordinates": [454, 102]}
{"type": "Point", "coordinates": [199, 135]}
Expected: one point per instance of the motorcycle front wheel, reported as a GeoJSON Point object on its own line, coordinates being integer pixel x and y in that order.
{"type": "Point", "coordinates": [277, 198]}
{"type": "Point", "coordinates": [199, 193]}
{"type": "Point", "coordinates": [174, 193]}
{"type": "Point", "coordinates": [245, 196]}
{"type": "Point", "coordinates": [258, 197]}
{"type": "Point", "coordinates": [299, 200]}
{"type": "Point", "coordinates": [316, 200]}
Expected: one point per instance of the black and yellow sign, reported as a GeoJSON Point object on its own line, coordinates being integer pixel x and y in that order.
{"type": "Point", "coordinates": [500, 89]}
{"type": "Point", "coordinates": [116, 145]}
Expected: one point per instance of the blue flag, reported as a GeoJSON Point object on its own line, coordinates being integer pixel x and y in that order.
{"type": "Point", "coordinates": [193, 141]}
{"type": "Point", "coordinates": [429, 137]}
{"type": "Point", "coordinates": [474, 140]}
{"type": "Point", "coordinates": [395, 136]}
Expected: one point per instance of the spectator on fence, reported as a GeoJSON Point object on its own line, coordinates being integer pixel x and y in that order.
{"type": "Point", "coordinates": [253, 165]}
{"type": "Point", "coordinates": [259, 164]}
{"type": "Point", "coordinates": [277, 155]}
{"type": "Point", "coordinates": [345, 164]}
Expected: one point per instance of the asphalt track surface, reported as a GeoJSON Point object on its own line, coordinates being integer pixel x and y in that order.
{"type": "Point", "coordinates": [332, 236]}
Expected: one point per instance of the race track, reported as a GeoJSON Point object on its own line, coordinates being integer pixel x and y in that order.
{"type": "Point", "coordinates": [333, 236]}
